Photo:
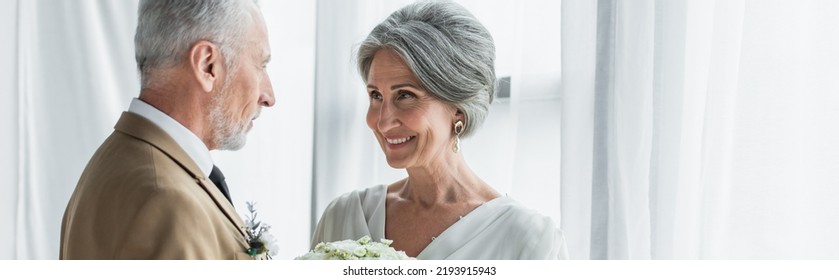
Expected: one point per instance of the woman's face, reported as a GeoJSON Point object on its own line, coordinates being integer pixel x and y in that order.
{"type": "Point", "coordinates": [412, 126]}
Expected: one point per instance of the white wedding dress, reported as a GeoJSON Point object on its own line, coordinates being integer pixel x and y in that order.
{"type": "Point", "coordinates": [501, 229]}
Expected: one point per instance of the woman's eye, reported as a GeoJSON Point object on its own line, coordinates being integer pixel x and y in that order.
{"type": "Point", "coordinates": [405, 94]}
{"type": "Point", "coordinates": [375, 95]}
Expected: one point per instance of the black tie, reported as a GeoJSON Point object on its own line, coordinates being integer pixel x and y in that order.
{"type": "Point", "coordinates": [218, 179]}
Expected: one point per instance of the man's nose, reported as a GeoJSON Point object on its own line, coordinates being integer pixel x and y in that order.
{"type": "Point", "coordinates": [266, 93]}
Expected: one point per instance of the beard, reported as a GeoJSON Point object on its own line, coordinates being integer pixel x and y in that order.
{"type": "Point", "coordinates": [227, 133]}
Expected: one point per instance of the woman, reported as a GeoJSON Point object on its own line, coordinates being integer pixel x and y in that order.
{"type": "Point", "coordinates": [429, 70]}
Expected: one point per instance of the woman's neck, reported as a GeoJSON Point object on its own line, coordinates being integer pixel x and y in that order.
{"type": "Point", "coordinates": [445, 181]}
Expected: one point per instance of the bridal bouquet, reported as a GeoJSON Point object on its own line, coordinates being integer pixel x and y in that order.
{"type": "Point", "coordinates": [362, 249]}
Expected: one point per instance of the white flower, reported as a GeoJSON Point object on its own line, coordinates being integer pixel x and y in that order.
{"type": "Point", "coordinates": [270, 243]}
{"type": "Point", "coordinates": [361, 249]}
{"type": "Point", "coordinates": [262, 245]}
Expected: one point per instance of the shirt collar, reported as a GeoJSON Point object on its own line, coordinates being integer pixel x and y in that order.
{"type": "Point", "coordinates": [192, 145]}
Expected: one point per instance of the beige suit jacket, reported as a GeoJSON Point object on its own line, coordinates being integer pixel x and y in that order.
{"type": "Point", "coordinates": [142, 197]}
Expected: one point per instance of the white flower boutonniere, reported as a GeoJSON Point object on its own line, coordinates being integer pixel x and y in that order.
{"type": "Point", "coordinates": [262, 244]}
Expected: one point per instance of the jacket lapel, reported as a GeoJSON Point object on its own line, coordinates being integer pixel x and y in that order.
{"type": "Point", "coordinates": [141, 128]}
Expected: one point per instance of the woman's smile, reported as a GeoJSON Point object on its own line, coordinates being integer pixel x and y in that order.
{"type": "Point", "coordinates": [395, 142]}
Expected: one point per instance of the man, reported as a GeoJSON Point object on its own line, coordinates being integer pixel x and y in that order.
{"type": "Point", "coordinates": [147, 192]}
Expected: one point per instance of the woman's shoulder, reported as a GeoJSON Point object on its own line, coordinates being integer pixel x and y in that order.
{"type": "Point", "coordinates": [350, 216]}
{"type": "Point", "coordinates": [519, 212]}
{"type": "Point", "coordinates": [524, 220]}
{"type": "Point", "coordinates": [362, 198]}
{"type": "Point", "coordinates": [534, 229]}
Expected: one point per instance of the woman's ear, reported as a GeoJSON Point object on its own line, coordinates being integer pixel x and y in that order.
{"type": "Point", "coordinates": [205, 60]}
{"type": "Point", "coordinates": [459, 116]}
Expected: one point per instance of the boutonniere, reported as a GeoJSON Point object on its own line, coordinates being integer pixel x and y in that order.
{"type": "Point", "coordinates": [261, 244]}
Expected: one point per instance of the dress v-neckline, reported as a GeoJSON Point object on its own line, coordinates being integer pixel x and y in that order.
{"type": "Point", "coordinates": [435, 240]}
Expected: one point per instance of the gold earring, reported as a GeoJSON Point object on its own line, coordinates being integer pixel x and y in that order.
{"type": "Point", "coordinates": [458, 129]}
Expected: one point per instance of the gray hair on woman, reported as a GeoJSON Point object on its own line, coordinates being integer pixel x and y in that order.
{"type": "Point", "coordinates": [446, 48]}
{"type": "Point", "coordinates": [166, 29]}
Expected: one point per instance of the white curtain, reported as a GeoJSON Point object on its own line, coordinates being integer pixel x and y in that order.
{"type": "Point", "coordinates": [68, 71]}
{"type": "Point", "coordinates": [8, 122]}
{"type": "Point", "coordinates": [73, 72]}
{"type": "Point", "coordinates": [700, 129]}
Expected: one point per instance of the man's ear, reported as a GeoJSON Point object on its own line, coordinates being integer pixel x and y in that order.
{"type": "Point", "coordinates": [205, 61]}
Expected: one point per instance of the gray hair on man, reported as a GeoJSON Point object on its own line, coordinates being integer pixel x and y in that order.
{"type": "Point", "coordinates": [166, 29]}
{"type": "Point", "coordinates": [447, 49]}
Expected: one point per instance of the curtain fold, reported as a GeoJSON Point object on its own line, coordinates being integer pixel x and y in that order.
{"type": "Point", "coordinates": [9, 142]}
{"type": "Point", "coordinates": [707, 130]}
{"type": "Point", "coordinates": [579, 45]}
{"type": "Point", "coordinates": [60, 92]}
{"type": "Point", "coordinates": [54, 128]}
{"type": "Point", "coordinates": [603, 92]}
